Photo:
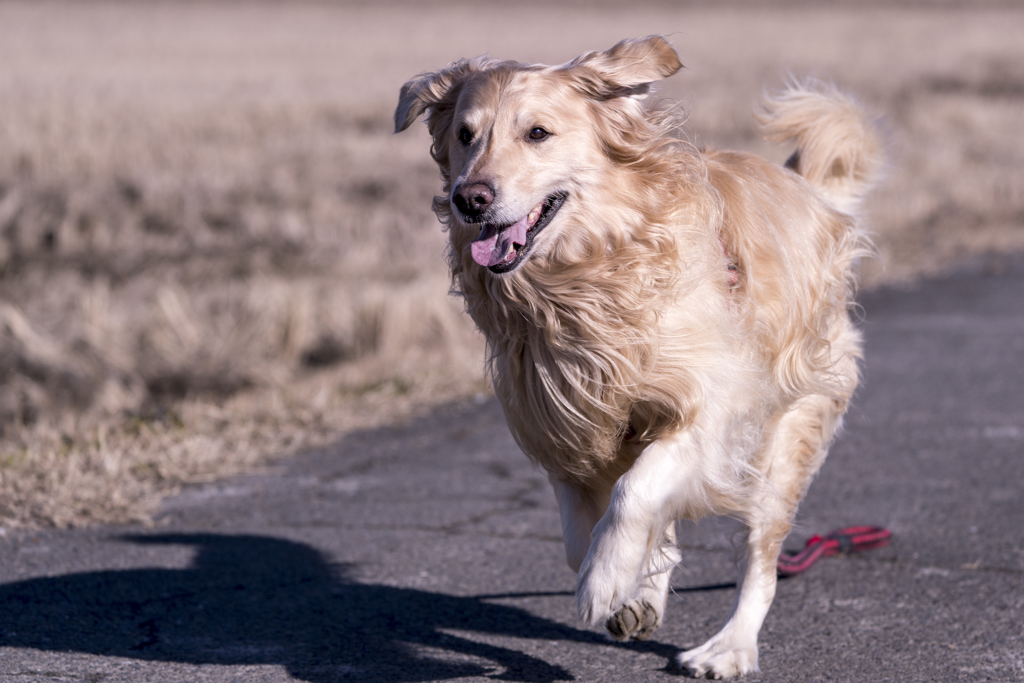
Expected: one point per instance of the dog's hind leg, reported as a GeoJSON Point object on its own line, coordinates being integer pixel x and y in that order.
{"type": "Point", "coordinates": [793, 455]}
{"type": "Point", "coordinates": [580, 508]}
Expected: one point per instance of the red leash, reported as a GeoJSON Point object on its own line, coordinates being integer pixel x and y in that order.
{"type": "Point", "coordinates": [852, 539]}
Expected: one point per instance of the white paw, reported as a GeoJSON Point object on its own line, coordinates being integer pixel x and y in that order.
{"type": "Point", "coordinates": [637, 619]}
{"type": "Point", "coordinates": [720, 657]}
{"type": "Point", "coordinates": [607, 580]}
{"type": "Point", "coordinates": [600, 592]}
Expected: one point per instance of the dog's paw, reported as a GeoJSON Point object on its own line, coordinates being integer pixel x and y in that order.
{"type": "Point", "coordinates": [607, 580]}
{"type": "Point", "coordinates": [604, 586]}
{"type": "Point", "coordinates": [637, 619]}
{"type": "Point", "coordinates": [720, 657]}
{"type": "Point", "coordinates": [597, 597]}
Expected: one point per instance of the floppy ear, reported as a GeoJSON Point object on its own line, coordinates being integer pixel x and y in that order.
{"type": "Point", "coordinates": [428, 90]}
{"type": "Point", "coordinates": [629, 67]}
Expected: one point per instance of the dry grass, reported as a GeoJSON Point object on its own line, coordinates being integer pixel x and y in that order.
{"type": "Point", "coordinates": [214, 252]}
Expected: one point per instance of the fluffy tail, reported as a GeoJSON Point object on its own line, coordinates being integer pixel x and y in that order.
{"type": "Point", "coordinates": [838, 149]}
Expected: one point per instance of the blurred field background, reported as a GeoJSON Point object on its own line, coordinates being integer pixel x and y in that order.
{"type": "Point", "coordinates": [214, 252]}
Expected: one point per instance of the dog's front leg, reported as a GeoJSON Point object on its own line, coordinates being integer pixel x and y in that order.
{"type": "Point", "coordinates": [624, 578]}
{"type": "Point", "coordinates": [733, 650]}
{"type": "Point", "coordinates": [640, 617]}
{"type": "Point", "coordinates": [581, 508]}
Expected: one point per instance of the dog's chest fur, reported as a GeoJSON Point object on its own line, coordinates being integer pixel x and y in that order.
{"type": "Point", "coordinates": [579, 359]}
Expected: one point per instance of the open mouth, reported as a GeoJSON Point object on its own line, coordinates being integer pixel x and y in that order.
{"type": "Point", "coordinates": [502, 248]}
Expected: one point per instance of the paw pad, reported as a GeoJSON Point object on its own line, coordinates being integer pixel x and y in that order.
{"type": "Point", "coordinates": [637, 620]}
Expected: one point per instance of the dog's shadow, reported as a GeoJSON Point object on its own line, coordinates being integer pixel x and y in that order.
{"type": "Point", "coordinates": [262, 600]}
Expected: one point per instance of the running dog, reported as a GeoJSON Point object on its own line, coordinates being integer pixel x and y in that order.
{"type": "Point", "coordinates": [668, 327]}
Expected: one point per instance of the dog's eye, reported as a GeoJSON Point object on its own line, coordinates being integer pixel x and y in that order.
{"type": "Point", "coordinates": [465, 135]}
{"type": "Point", "coordinates": [538, 133]}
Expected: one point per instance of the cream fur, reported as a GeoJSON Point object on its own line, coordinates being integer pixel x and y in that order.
{"type": "Point", "coordinates": [648, 385]}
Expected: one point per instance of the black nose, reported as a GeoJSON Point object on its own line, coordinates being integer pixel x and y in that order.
{"type": "Point", "coordinates": [473, 199]}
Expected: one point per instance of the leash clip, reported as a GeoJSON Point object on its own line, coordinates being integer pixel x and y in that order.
{"type": "Point", "coordinates": [852, 539]}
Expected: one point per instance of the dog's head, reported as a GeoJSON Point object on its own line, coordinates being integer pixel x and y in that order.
{"type": "Point", "coordinates": [519, 144]}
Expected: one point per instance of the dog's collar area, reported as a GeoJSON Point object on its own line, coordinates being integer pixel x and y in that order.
{"type": "Point", "coordinates": [549, 207]}
{"type": "Point", "coordinates": [734, 273]}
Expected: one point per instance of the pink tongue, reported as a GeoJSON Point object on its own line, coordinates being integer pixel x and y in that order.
{"type": "Point", "coordinates": [490, 248]}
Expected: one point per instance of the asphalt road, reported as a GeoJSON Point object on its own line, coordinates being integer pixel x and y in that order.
{"type": "Point", "coordinates": [430, 550]}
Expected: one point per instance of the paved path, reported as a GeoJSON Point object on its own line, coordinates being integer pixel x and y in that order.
{"type": "Point", "coordinates": [431, 551]}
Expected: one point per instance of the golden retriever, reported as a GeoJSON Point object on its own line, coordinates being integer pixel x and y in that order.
{"type": "Point", "coordinates": [668, 327]}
